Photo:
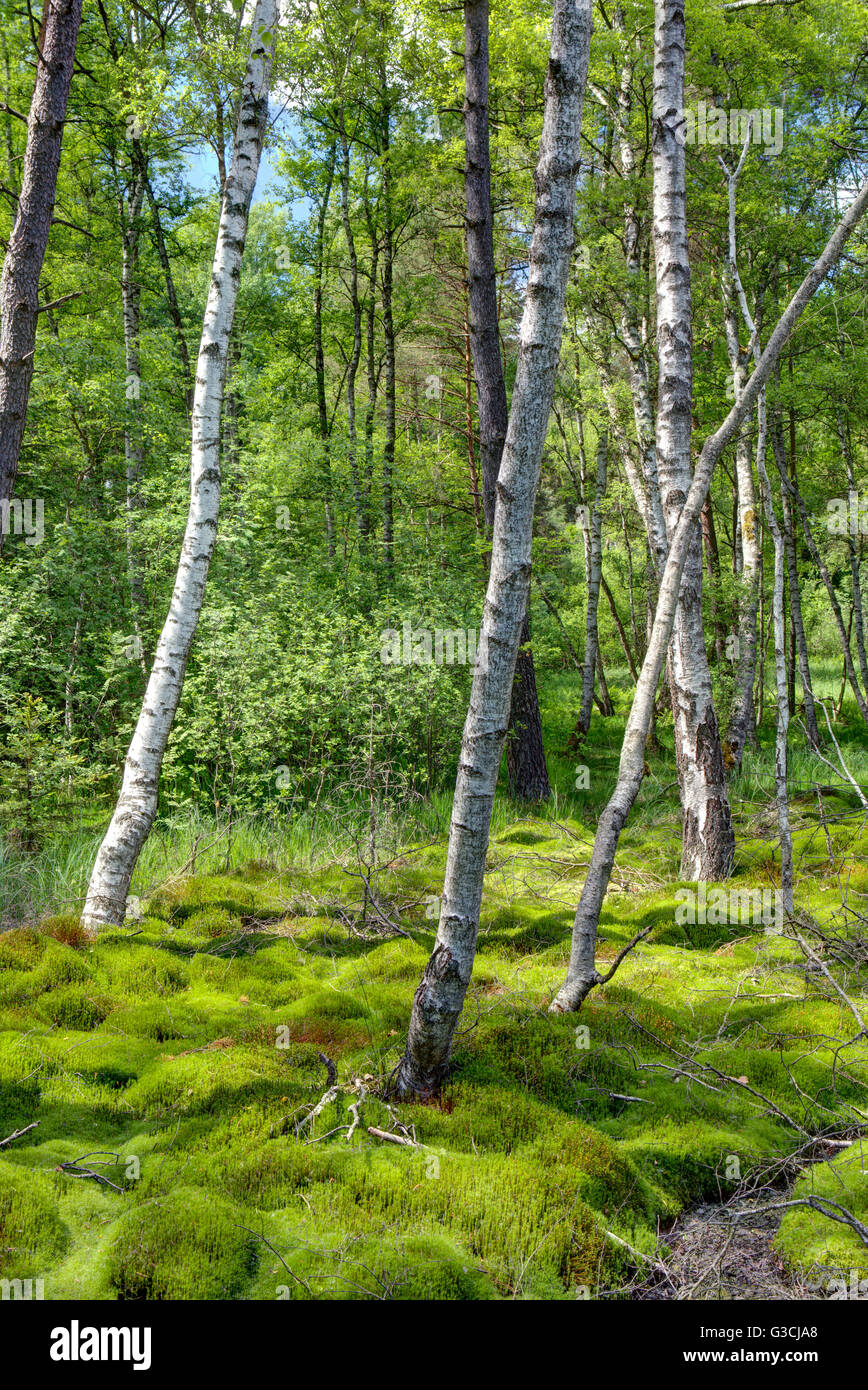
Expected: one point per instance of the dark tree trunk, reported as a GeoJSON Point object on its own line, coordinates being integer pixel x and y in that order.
{"type": "Point", "coordinates": [525, 757]}
{"type": "Point", "coordinates": [19, 287]}
{"type": "Point", "coordinates": [322, 408]}
{"type": "Point", "coordinates": [789, 533]}
{"type": "Point", "coordinates": [389, 334]}
{"type": "Point", "coordinates": [356, 356]}
{"type": "Point", "coordinates": [171, 296]}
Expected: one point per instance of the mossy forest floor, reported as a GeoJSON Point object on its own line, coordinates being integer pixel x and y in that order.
{"type": "Point", "coordinates": [178, 1059]}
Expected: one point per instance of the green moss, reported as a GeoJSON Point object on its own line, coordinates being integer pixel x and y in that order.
{"type": "Point", "coordinates": [32, 1235]}
{"type": "Point", "coordinates": [194, 1046]}
{"type": "Point", "coordinates": [74, 1008]}
{"type": "Point", "coordinates": [185, 1245]}
{"type": "Point", "coordinates": [812, 1241]}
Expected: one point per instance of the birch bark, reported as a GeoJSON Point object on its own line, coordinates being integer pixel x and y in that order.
{"type": "Point", "coordinates": [137, 804]}
{"type": "Point", "coordinates": [440, 996]}
{"type": "Point", "coordinates": [708, 840]}
{"type": "Point", "coordinates": [525, 756]}
{"type": "Point", "coordinates": [582, 975]}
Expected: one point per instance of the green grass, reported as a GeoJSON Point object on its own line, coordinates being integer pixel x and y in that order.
{"type": "Point", "coordinates": [161, 1054]}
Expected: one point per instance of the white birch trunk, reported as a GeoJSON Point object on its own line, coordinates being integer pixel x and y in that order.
{"type": "Point", "coordinates": [708, 836]}
{"type": "Point", "coordinates": [582, 975]}
{"type": "Point", "coordinates": [137, 804]}
{"type": "Point", "coordinates": [708, 840]}
{"type": "Point", "coordinates": [439, 998]}
{"type": "Point", "coordinates": [781, 692]}
{"type": "Point", "coordinates": [742, 719]}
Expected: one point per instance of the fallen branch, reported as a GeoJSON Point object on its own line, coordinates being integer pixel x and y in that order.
{"type": "Point", "coordinates": [819, 1204]}
{"type": "Point", "coordinates": [393, 1138]}
{"type": "Point", "coordinates": [354, 1111]}
{"type": "Point", "coordinates": [71, 1166]}
{"type": "Point", "coordinates": [16, 1134]}
{"type": "Point", "coordinates": [655, 1264]}
{"type": "Point", "coordinates": [327, 1098]}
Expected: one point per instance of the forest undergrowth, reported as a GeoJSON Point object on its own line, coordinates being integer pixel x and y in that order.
{"type": "Point", "coordinates": [203, 1094]}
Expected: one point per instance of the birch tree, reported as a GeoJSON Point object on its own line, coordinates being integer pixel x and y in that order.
{"type": "Point", "coordinates": [526, 764]}
{"type": "Point", "coordinates": [708, 839]}
{"type": "Point", "coordinates": [659, 484]}
{"type": "Point", "coordinates": [741, 726]}
{"type": "Point", "coordinates": [595, 574]}
{"type": "Point", "coordinates": [22, 267]}
{"type": "Point", "coordinates": [582, 975]}
{"type": "Point", "coordinates": [439, 998]}
{"type": "Point", "coordinates": [137, 804]}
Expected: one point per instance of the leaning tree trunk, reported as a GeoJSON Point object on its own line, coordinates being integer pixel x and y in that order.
{"type": "Point", "coordinates": [19, 286]}
{"type": "Point", "coordinates": [525, 757]}
{"type": "Point", "coordinates": [582, 975]}
{"type": "Point", "coordinates": [708, 841]}
{"type": "Point", "coordinates": [137, 803]}
{"type": "Point", "coordinates": [440, 996]}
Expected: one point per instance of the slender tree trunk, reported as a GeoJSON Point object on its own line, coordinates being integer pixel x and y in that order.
{"type": "Point", "coordinates": [742, 718]}
{"type": "Point", "coordinates": [356, 353]}
{"type": "Point", "coordinates": [712, 560]}
{"type": "Point", "coordinates": [708, 842]}
{"type": "Point", "coordinates": [843, 427]}
{"type": "Point", "coordinates": [783, 703]}
{"type": "Point", "coordinates": [481, 272]}
{"type": "Point", "coordinates": [134, 452]}
{"type": "Point", "coordinates": [469, 429]}
{"type": "Point", "coordinates": [591, 636]}
{"type": "Point", "coordinates": [793, 488]}
{"type": "Point", "coordinates": [527, 774]}
{"type": "Point", "coordinates": [373, 373]}
{"type": "Point", "coordinates": [388, 329]}
{"type": "Point", "coordinates": [319, 351]}
{"type": "Point", "coordinates": [439, 998]}
{"type": "Point", "coordinates": [22, 266]}
{"type": "Point", "coordinates": [137, 804]}
{"type": "Point", "coordinates": [171, 296]}
{"type": "Point", "coordinates": [582, 975]}
{"type": "Point", "coordinates": [789, 534]}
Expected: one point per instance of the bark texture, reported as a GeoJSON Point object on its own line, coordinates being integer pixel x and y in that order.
{"type": "Point", "coordinates": [582, 974]}
{"type": "Point", "coordinates": [525, 757]}
{"type": "Point", "coordinates": [22, 267]}
{"type": "Point", "coordinates": [137, 804]}
{"type": "Point", "coordinates": [439, 998]}
{"type": "Point", "coordinates": [708, 840]}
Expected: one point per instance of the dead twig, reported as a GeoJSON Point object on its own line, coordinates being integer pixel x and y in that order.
{"type": "Point", "coordinates": [16, 1134]}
